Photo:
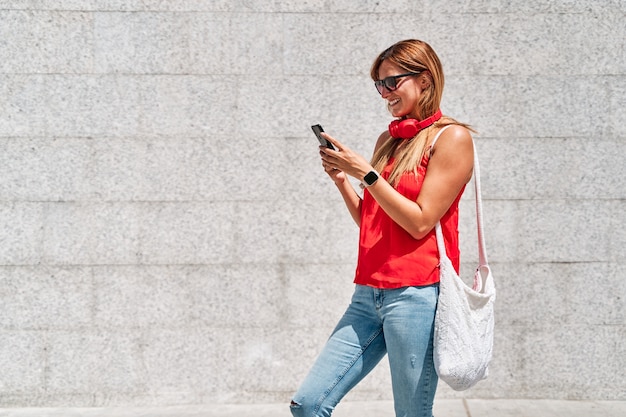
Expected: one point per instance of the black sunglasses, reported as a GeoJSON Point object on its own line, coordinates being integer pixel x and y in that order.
{"type": "Point", "coordinates": [391, 83]}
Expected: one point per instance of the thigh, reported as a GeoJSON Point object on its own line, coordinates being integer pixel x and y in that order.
{"type": "Point", "coordinates": [409, 315]}
{"type": "Point", "coordinates": [354, 348]}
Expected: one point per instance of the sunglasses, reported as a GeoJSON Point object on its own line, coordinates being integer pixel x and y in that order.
{"type": "Point", "coordinates": [391, 83]}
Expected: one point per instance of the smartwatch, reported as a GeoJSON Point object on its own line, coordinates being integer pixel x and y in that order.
{"type": "Point", "coordinates": [370, 178]}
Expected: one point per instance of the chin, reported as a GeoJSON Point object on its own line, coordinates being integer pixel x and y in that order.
{"type": "Point", "coordinates": [397, 113]}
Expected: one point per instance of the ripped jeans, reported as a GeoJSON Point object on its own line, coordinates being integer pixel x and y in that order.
{"type": "Point", "coordinates": [397, 322]}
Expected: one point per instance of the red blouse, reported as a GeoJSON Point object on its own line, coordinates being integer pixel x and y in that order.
{"type": "Point", "coordinates": [389, 257]}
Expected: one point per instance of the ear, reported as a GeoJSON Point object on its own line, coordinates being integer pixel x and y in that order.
{"type": "Point", "coordinates": [425, 79]}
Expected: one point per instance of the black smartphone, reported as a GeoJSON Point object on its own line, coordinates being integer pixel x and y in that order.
{"type": "Point", "coordinates": [317, 129]}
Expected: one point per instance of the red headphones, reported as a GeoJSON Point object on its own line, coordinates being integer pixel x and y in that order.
{"type": "Point", "coordinates": [408, 128]}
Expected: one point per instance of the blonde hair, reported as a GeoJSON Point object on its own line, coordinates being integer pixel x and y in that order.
{"type": "Point", "coordinates": [412, 55]}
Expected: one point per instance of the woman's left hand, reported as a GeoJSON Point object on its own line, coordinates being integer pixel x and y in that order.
{"type": "Point", "coordinates": [344, 159]}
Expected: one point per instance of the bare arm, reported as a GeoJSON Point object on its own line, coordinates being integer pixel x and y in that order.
{"type": "Point", "coordinates": [449, 169]}
{"type": "Point", "coordinates": [352, 200]}
{"type": "Point", "coordinates": [350, 196]}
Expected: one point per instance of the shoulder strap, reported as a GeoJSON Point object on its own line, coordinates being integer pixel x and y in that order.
{"type": "Point", "coordinates": [432, 145]}
{"type": "Point", "coordinates": [482, 251]}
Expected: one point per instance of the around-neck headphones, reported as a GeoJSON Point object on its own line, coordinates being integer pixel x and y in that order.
{"type": "Point", "coordinates": [408, 128]}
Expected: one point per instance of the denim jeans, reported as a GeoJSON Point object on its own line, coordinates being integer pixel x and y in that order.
{"type": "Point", "coordinates": [396, 322]}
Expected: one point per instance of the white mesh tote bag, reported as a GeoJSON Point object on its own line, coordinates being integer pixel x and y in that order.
{"type": "Point", "coordinates": [464, 322]}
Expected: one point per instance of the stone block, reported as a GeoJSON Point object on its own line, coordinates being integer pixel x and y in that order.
{"type": "Point", "coordinates": [534, 231]}
{"type": "Point", "coordinates": [162, 169]}
{"type": "Point", "coordinates": [187, 364]}
{"type": "Point", "coordinates": [529, 7]}
{"type": "Point", "coordinates": [617, 236]}
{"type": "Point", "coordinates": [529, 44]}
{"type": "Point", "coordinates": [183, 169]}
{"type": "Point", "coordinates": [315, 295]}
{"type": "Point", "coordinates": [584, 304]}
{"type": "Point", "coordinates": [237, 296]}
{"type": "Point", "coordinates": [278, 106]}
{"type": "Point", "coordinates": [146, 168]}
{"type": "Point", "coordinates": [530, 106]}
{"type": "Point", "coordinates": [312, 46]}
{"type": "Point", "coordinates": [46, 41]}
{"type": "Point", "coordinates": [557, 360]}
{"type": "Point", "coordinates": [22, 233]}
{"type": "Point", "coordinates": [258, 50]}
{"type": "Point", "coordinates": [241, 167]}
{"type": "Point", "coordinates": [137, 297]}
{"type": "Point", "coordinates": [568, 168]}
{"type": "Point", "coordinates": [95, 361]}
{"type": "Point", "coordinates": [225, 364]}
{"type": "Point", "coordinates": [300, 178]}
{"type": "Point", "coordinates": [617, 104]}
{"type": "Point", "coordinates": [538, 294]}
{"type": "Point", "coordinates": [373, 6]}
{"type": "Point", "coordinates": [22, 108]}
{"type": "Point", "coordinates": [44, 298]}
{"type": "Point", "coordinates": [187, 106]}
{"type": "Point", "coordinates": [186, 233]}
{"type": "Point", "coordinates": [91, 105]}
{"type": "Point", "coordinates": [91, 233]}
{"type": "Point", "coordinates": [141, 5]}
{"type": "Point", "coordinates": [294, 6]}
{"type": "Point", "coordinates": [141, 43]}
{"type": "Point", "coordinates": [294, 232]}
{"type": "Point", "coordinates": [44, 169]}
{"type": "Point", "coordinates": [22, 357]}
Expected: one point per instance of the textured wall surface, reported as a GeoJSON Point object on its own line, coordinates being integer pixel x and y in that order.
{"type": "Point", "coordinates": [169, 237]}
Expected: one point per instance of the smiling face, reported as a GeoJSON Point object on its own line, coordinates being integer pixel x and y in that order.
{"type": "Point", "coordinates": [417, 96]}
{"type": "Point", "coordinates": [403, 101]}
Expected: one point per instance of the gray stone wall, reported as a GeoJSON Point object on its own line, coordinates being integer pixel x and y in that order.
{"type": "Point", "coordinates": [168, 235]}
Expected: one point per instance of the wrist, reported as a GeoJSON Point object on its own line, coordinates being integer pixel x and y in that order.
{"type": "Point", "coordinates": [370, 178]}
{"type": "Point", "coordinates": [339, 182]}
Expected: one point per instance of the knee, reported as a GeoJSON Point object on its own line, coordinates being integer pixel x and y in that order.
{"type": "Point", "coordinates": [296, 409]}
{"type": "Point", "coordinates": [303, 408]}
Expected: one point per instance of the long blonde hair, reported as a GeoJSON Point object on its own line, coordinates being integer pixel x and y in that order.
{"type": "Point", "coordinates": [412, 55]}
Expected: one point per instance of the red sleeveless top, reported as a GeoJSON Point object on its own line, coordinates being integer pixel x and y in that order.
{"type": "Point", "coordinates": [389, 257]}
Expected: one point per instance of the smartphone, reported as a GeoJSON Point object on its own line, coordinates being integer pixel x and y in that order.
{"type": "Point", "coordinates": [317, 129]}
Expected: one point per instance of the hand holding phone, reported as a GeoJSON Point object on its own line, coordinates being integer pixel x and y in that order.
{"type": "Point", "coordinates": [317, 129]}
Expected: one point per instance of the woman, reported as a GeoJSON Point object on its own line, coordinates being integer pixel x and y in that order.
{"type": "Point", "coordinates": [424, 161]}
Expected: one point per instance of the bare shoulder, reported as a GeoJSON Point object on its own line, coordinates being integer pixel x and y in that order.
{"type": "Point", "coordinates": [455, 140]}
{"type": "Point", "coordinates": [454, 153]}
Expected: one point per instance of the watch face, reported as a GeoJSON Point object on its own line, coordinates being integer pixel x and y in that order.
{"type": "Point", "coordinates": [370, 178]}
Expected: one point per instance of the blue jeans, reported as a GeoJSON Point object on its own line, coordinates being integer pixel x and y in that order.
{"type": "Point", "coordinates": [398, 322]}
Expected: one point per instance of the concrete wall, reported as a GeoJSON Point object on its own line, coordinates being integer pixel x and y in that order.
{"type": "Point", "coordinates": [168, 235]}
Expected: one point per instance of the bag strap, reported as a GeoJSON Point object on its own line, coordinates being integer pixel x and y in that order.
{"type": "Point", "coordinates": [482, 248]}
{"type": "Point", "coordinates": [432, 145]}
{"type": "Point", "coordinates": [482, 251]}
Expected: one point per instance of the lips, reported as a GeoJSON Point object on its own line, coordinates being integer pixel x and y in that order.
{"type": "Point", "coordinates": [393, 102]}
